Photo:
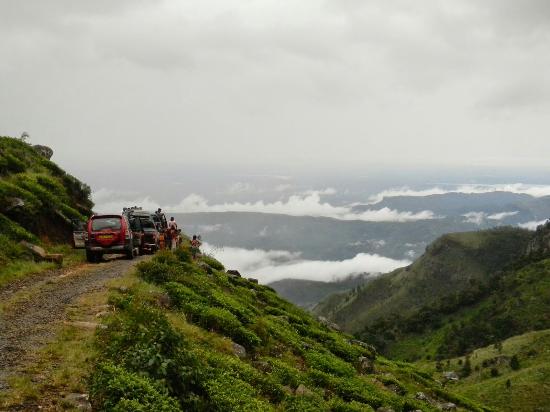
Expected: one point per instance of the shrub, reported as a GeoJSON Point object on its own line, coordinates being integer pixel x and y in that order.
{"type": "Point", "coordinates": [181, 295]}
{"type": "Point", "coordinates": [327, 362]}
{"type": "Point", "coordinates": [213, 263]}
{"type": "Point", "coordinates": [143, 340]}
{"type": "Point", "coordinates": [227, 393]}
{"type": "Point", "coordinates": [246, 338]}
{"type": "Point", "coordinates": [514, 363]}
{"type": "Point", "coordinates": [311, 403]}
{"type": "Point", "coordinates": [157, 271]}
{"type": "Point", "coordinates": [114, 388]}
{"type": "Point", "coordinates": [219, 319]}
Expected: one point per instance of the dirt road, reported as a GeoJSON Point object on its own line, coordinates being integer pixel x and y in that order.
{"type": "Point", "coordinates": [39, 302]}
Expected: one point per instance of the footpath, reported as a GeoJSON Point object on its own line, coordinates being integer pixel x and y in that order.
{"type": "Point", "coordinates": [33, 313]}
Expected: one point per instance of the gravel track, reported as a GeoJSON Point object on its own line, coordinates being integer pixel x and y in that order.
{"type": "Point", "coordinates": [27, 324]}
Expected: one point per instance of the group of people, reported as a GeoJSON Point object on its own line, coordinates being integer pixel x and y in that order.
{"type": "Point", "coordinates": [172, 236]}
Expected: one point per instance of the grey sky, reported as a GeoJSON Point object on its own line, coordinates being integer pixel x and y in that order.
{"type": "Point", "coordinates": [310, 84]}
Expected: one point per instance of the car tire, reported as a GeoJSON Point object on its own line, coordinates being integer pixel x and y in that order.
{"type": "Point", "coordinates": [130, 254]}
{"type": "Point", "coordinates": [92, 257]}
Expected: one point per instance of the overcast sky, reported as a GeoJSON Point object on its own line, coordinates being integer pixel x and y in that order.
{"type": "Point", "coordinates": [275, 84]}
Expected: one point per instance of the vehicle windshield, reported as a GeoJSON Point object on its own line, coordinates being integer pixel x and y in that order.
{"type": "Point", "coordinates": [147, 223]}
{"type": "Point", "coordinates": [103, 223]}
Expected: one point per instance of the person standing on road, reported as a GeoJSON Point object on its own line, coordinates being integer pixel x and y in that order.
{"type": "Point", "coordinates": [173, 233]}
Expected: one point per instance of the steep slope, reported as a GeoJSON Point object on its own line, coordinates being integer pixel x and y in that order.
{"type": "Point", "coordinates": [189, 336]}
{"type": "Point", "coordinates": [452, 264]}
{"type": "Point", "coordinates": [38, 199]}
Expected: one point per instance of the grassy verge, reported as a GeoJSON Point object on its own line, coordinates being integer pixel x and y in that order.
{"type": "Point", "coordinates": [19, 268]}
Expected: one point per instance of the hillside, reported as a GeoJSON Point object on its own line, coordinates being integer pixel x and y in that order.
{"type": "Point", "coordinates": [307, 293]}
{"type": "Point", "coordinates": [189, 336]}
{"type": "Point", "coordinates": [451, 265]}
{"type": "Point", "coordinates": [498, 380]}
{"type": "Point", "coordinates": [38, 200]}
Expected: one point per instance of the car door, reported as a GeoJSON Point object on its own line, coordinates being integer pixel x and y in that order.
{"type": "Point", "coordinates": [79, 234]}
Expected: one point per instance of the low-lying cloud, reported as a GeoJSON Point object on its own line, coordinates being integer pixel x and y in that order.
{"type": "Point", "coordinates": [518, 188]}
{"type": "Point", "coordinates": [308, 203]}
{"type": "Point", "coordinates": [271, 265]}
{"type": "Point", "coordinates": [533, 224]}
{"type": "Point", "coordinates": [479, 217]}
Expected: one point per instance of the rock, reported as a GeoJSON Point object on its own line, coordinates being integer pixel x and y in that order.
{"type": "Point", "coordinates": [36, 250]}
{"type": "Point", "coordinates": [238, 350]}
{"type": "Point", "coordinates": [40, 254]}
{"type": "Point", "coordinates": [450, 376]}
{"type": "Point", "coordinates": [45, 151]}
{"type": "Point", "coordinates": [302, 390]}
{"type": "Point", "coordinates": [366, 365]}
{"type": "Point", "coordinates": [421, 396]}
{"type": "Point", "coordinates": [328, 323]}
{"type": "Point", "coordinates": [449, 406]}
{"type": "Point", "coordinates": [12, 203]}
{"type": "Point", "coordinates": [234, 273]}
{"type": "Point", "coordinates": [101, 314]}
{"type": "Point", "coordinates": [363, 345]}
{"type": "Point", "coordinates": [287, 389]}
{"type": "Point", "coordinates": [253, 280]}
{"type": "Point", "coordinates": [206, 267]}
{"type": "Point", "coordinates": [79, 400]}
{"type": "Point", "coordinates": [263, 366]}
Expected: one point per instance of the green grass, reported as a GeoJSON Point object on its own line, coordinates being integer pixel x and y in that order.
{"type": "Point", "coordinates": [16, 269]}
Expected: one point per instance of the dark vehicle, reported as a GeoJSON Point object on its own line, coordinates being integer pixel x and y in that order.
{"type": "Point", "coordinates": [150, 235]}
{"type": "Point", "coordinates": [146, 234]}
{"type": "Point", "coordinates": [109, 234]}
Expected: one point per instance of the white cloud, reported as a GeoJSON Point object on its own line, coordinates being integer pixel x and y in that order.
{"type": "Point", "coordinates": [479, 217]}
{"type": "Point", "coordinates": [210, 228]}
{"type": "Point", "coordinates": [518, 188]}
{"type": "Point", "coordinates": [502, 215]}
{"type": "Point", "coordinates": [475, 217]}
{"type": "Point", "coordinates": [271, 265]}
{"type": "Point", "coordinates": [532, 225]}
{"type": "Point", "coordinates": [308, 204]}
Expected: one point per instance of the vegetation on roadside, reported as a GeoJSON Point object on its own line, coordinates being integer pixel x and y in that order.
{"type": "Point", "coordinates": [188, 336]}
{"type": "Point", "coordinates": [38, 200]}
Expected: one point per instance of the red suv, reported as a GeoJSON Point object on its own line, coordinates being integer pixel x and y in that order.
{"type": "Point", "coordinates": [108, 234]}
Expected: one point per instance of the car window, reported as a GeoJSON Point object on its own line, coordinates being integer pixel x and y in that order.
{"type": "Point", "coordinates": [147, 223]}
{"type": "Point", "coordinates": [102, 223]}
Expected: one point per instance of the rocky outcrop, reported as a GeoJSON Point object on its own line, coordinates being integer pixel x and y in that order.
{"type": "Point", "coordinates": [45, 151]}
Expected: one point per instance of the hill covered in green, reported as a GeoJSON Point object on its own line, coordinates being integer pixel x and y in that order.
{"type": "Point", "coordinates": [451, 265]}
{"type": "Point", "coordinates": [510, 376]}
{"type": "Point", "coordinates": [38, 199]}
{"type": "Point", "coordinates": [189, 336]}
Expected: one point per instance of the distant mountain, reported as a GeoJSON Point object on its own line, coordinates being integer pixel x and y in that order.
{"type": "Point", "coordinates": [307, 293]}
{"type": "Point", "coordinates": [332, 239]}
{"type": "Point", "coordinates": [467, 291]}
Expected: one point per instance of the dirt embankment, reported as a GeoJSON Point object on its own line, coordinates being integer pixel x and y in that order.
{"type": "Point", "coordinates": [34, 305]}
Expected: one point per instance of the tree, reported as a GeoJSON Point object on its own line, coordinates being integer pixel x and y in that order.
{"type": "Point", "coordinates": [467, 368]}
{"type": "Point", "coordinates": [514, 363]}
